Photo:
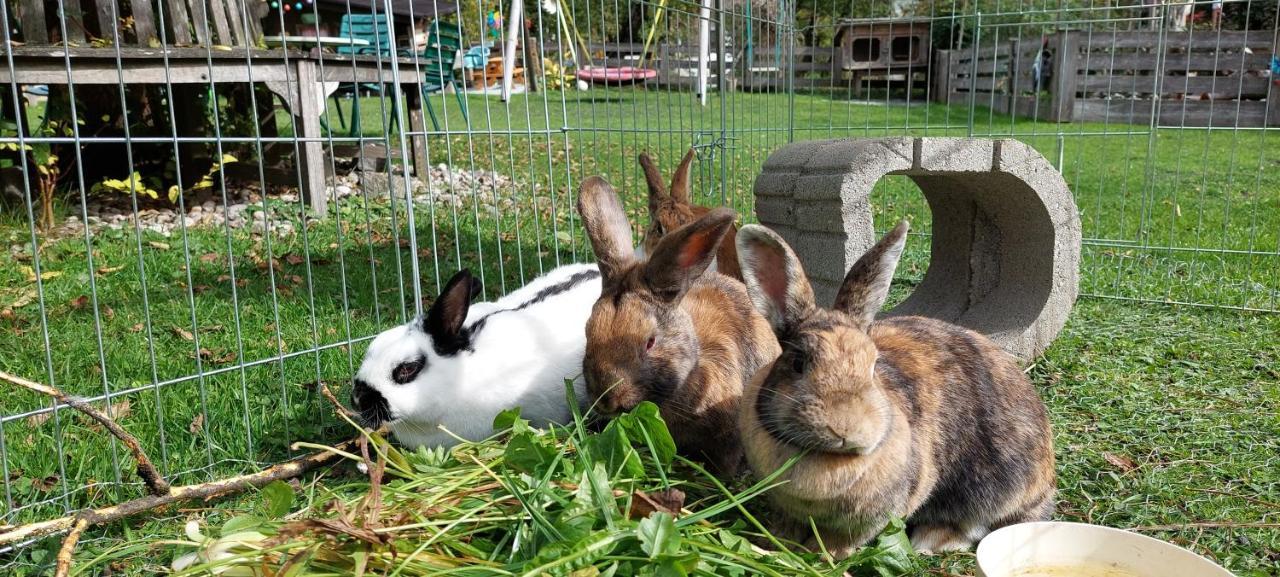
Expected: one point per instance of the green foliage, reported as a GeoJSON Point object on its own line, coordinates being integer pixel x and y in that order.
{"type": "Point", "coordinates": [149, 187]}
{"type": "Point", "coordinates": [528, 502]}
{"type": "Point", "coordinates": [277, 499]}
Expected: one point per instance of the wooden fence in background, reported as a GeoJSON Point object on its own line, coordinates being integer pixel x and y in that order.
{"type": "Point", "coordinates": [817, 68]}
{"type": "Point", "coordinates": [1203, 79]}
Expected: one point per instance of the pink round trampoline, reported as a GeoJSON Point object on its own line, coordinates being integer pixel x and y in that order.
{"type": "Point", "coordinates": [618, 75]}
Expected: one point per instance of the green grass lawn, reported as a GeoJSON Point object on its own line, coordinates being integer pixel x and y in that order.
{"type": "Point", "coordinates": [1164, 415]}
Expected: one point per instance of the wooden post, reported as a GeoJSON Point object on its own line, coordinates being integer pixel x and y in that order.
{"type": "Point", "coordinates": [939, 73]}
{"type": "Point", "coordinates": [1063, 100]}
{"type": "Point", "coordinates": [307, 126]}
{"type": "Point", "coordinates": [1015, 70]}
{"type": "Point", "coordinates": [532, 60]}
{"type": "Point", "coordinates": [267, 127]}
{"type": "Point", "coordinates": [417, 126]}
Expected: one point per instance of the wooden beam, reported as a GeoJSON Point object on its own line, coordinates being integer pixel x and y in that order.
{"type": "Point", "coordinates": [32, 18]}
{"type": "Point", "coordinates": [218, 9]}
{"type": "Point", "coordinates": [144, 22]}
{"type": "Point", "coordinates": [177, 21]}
{"type": "Point", "coordinates": [53, 71]}
{"type": "Point", "coordinates": [75, 27]}
{"type": "Point", "coordinates": [310, 159]}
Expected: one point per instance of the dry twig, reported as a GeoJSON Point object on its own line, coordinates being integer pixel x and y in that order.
{"type": "Point", "coordinates": [208, 490]}
{"type": "Point", "coordinates": [63, 567]}
{"type": "Point", "coordinates": [337, 405]}
{"type": "Point", "coordinates": [146, 470]}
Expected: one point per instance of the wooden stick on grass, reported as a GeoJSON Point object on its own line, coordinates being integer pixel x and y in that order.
{"type": "Point", "coordinates": [146, 470]}
{"type": "Point", "coordinates": [286, 470]}
{"type": "Point", "coordinates": [69, 546]}
{"type": "Point", "coordinates": [161, 492]}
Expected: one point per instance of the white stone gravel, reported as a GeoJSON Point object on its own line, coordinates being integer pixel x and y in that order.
{"type": "Point", "coordinates": [445, 185]}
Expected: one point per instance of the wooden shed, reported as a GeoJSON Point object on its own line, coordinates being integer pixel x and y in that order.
{"type": "Point", "coordinates": [883, 44]}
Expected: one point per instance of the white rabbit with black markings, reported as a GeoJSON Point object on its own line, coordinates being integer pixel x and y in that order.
{"type": "Point", "coordinates": [447, 374]}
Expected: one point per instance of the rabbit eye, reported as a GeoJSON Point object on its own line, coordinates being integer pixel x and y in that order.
{"type": "Point", "coordinates": [653, 339]}
{"type": "Point", "coordinates": [798, 362]}
{"type": "Point", "coordinates": [657, 230]}
{"type": "Point", "coordinates": [408, 371]}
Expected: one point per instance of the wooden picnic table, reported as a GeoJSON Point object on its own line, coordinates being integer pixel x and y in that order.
{"type": "Point", "coordinates": [303, 80]}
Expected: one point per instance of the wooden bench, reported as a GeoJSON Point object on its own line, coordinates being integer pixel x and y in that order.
{"type": "Point", "coordinates": [190, 46]}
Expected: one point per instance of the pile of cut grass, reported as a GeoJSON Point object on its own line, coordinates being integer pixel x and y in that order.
{"type": "Point", "coordinates": [528, 502]}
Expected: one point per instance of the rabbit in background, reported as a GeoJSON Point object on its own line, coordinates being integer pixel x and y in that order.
{"type": "Point", "coordinates": [670, 209]}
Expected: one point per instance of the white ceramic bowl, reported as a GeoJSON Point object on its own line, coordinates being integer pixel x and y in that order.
{"type": "Point", "coordinates": [1080, 550]}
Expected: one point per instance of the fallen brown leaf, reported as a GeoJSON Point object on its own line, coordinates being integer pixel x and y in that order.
{"type": "Point", "coordinates": [667, 500]}
{"type": "Point", "coordinates": [294, 259]}
{"type": "Point", "coordinates": [197, 424]}
{"type": "Point", "coordinates": [158, 245]}
{"type": "Point", "coordinates": [184, 333]}
{"type": "Point", "coordinates": [210, 258]}
{"type": "Point", "coordinates": [104, 270]}
{"type": "Point", "coordinates": [38, 419]}
{"type": "Point", "coordinates": [136, 328]}
{"type": "Point", "coordinates": [121, 410]}
{"type": "Point", "coordinates": [26, 297]}
{"type": "Point", "coordinates": [80, 302]}
{"type": "Point", "coordinates": [1125, 464]}
{"type": "Point", "coordinates": [46, 484]}
{"type": "Point", "coordinates": [223, 278]}
{"type": "Point", "coordinates": [217, 356]}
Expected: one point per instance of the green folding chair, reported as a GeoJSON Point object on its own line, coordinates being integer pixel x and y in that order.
{"type": "Point", "coordinates": [444, 40]}
{"type": "Point", "coordinates": [374, 29]}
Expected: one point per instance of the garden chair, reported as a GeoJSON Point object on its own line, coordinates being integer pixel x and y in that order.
{"type": "Point", "coordinates": [444, 40]}
{"type": "Point", "coordinates": [374, 29]}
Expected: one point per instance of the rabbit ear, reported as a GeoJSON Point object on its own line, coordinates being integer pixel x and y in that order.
{"type": "Point", "coordinates": [477, 290]}
{"type": "Point", "coordinates": [774, 278]}
{"type": "Point", "coordinates": [680, 180]}
{"type": "Point", "coordinates": [866, 286]}
{"type": "Point", "coordinates": [607, 226]}
{"type": "Point", "coordinates": [657, 189]}
{"type": "Point", "coordinates": [685, 253]}
{"type": "Point", "coordinates": [444, 319]}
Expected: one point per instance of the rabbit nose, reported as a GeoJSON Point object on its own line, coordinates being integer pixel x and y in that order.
{"type": "Point", "coordinates": [358, 388]}
{"type": "Point", "coordinates": [846, 440]}
{"type": "Point", "coordinates": [371, 405]}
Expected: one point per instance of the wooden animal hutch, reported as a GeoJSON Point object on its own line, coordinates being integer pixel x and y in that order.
{"type": "Point", "coordinates": [886, 49]}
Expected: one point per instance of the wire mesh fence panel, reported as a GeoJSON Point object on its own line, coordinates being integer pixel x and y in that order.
{"type": "Point", "coordinates": [211, 207]}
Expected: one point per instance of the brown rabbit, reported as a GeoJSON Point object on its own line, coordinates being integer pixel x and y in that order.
{"type": "Point", "coordinates": [671, 210]}
{"type": "Point", "coordinates": [904, 416]}
{"type": "Point", "coordinates": [667, 330]}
